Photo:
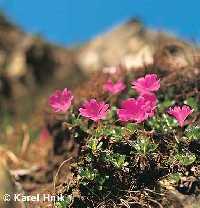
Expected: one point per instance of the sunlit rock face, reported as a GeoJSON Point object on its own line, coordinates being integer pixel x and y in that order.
{"type": "Point", "coordinates": [134, 46]}
{"type": "Point", "coordinates": [125, 45]}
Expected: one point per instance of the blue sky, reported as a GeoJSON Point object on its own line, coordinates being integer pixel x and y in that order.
{"type": "Point", "coordinates": [72, 21]}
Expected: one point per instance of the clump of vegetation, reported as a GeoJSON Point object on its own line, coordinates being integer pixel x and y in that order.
{"type": "Point", "coordinates": [130, 147]}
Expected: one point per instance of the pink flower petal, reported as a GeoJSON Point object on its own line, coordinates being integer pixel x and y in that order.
{"type": "Point", "coordinates": [180, 113]}
{"type": "Point", "coordinates": [60, 101]}
{"type": "Point", "coordinates": [114, 88]}
{"type": "Point", "coordinates": [94, 110]}
{"type": "Point", "coordinates": [137, 110]}
{"type": "Point", "coordinates": [147, 85]}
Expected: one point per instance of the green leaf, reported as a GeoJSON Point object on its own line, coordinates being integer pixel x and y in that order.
{"type": "Point", "coordinates": [131, 127]}
{"type": "Point", "coordinates": [117, 160]}
{"type": "Point", "coordinates": [94, 144]}
{"type": "Point", "coordinates": [186, 159]}
{"type": "Point", "coordinates": [163, 123]}
{"type": "Point", "coordinates": [100, 180]}
{"type": "Point", "coordinates": [175, 178]}
{"type": "Point", "coordinates": [165, 105]}
{"type": "Point", "coordinates": [192, 102]}
{"type": "Point", "coordinates": [115, 133]}
{"type": "Point", "coordinates": [77, 121]}
{"type": "Point", "coordinates": [193, 132]}
{"type": "Point", "coordinates": [87, 173]}
{"type": "Point", "coordinates": [144, 146]}
{"type": "Point", "coordinates": [66, 203]}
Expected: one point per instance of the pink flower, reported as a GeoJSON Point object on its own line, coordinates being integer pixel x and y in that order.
{"type": "Point", "coordinates": [150, 101]}
{"type": "Point", "coordinates": [94, 110]}
{"type": "Point", "coordinates": [114, 88]}
{"type": "Point", "coordinates": [180, 113]}
{"type": "Point", "coordinates": [147, 85]}
{"type": "Point", "coordinates": [60, 101]}
{"type": "Point", "coordinates": [137, 110]}
{"type": "Point", "coordinates": [132, 110]}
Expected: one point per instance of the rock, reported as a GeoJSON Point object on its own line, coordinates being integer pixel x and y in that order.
{"type": "Point", "coordinates": [178, 200]}
{"type": "Point", "coordinates": [28, 63]}
{"type": "Point", "coordinates": [134, 46]}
